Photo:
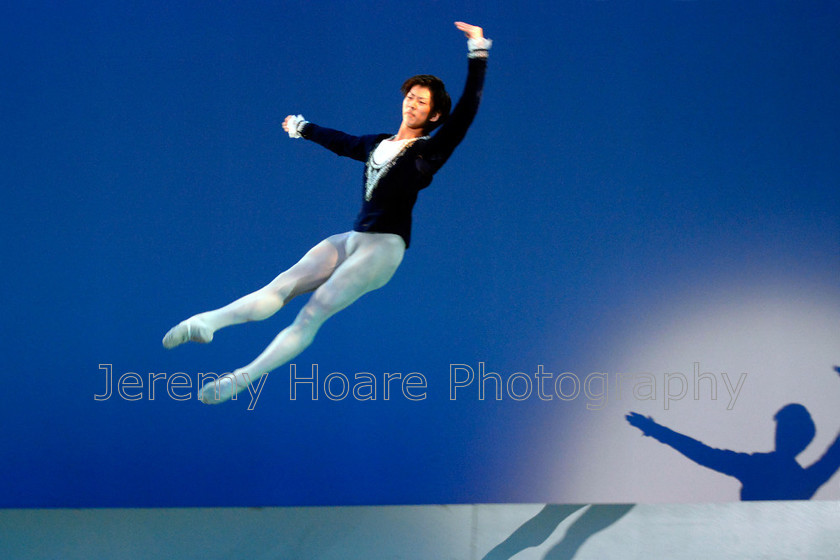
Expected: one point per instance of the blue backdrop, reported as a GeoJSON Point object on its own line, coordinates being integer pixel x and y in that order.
{"type": "Point", "coordinates": [647, 186]}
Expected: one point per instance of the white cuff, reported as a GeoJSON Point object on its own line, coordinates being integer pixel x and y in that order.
{"type": "Point", "coordinates": [479, 47]}
{"type": "Point", "coordinates": [296, 125]}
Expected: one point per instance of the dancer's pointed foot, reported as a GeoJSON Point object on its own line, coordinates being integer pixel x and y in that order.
{"type": "Point", "coordinates": [215, 392]}
{"type": "Point", "coordinates": [192, 329]}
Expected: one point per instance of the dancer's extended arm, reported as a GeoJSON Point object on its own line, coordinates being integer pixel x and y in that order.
{"type": "Point", "coordinates": [449, 135]}
{"type": "Point", "coordinates": [825, 467]}
{"type": "Point", "coordinates": [343, 144]}
{"type": "Point", "coordinates": [723, 461]}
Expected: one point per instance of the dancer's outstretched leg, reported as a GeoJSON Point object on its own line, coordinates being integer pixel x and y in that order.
{"type": "Point", "coordinates": [372, 259]}
{"type": "Point", "coordinates": [309, 273]}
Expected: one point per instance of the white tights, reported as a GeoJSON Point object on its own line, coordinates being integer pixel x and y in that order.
{"type": "Point", "coordinates": [339, 270]}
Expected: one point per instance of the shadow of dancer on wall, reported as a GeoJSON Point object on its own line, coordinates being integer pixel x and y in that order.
{"type": "Point", "coordinates": [775, 475]}
{"type": "Point", "coordinates": [536, 530]}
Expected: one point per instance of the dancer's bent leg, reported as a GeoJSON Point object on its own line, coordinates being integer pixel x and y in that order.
{"type": "Point", "coordinates": [372, 259]}
{"type": "Point", "coordinates": [309, 273]}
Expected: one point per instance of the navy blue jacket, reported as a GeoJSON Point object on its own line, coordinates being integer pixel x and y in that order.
{"type": "Point", "coordinates": [387, 207]}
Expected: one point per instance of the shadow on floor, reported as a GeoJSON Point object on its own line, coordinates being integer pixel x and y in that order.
{"type": "Point", "coordinates": [536, 530]}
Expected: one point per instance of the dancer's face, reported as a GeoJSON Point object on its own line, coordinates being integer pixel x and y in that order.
{"type": "Point", "coordinates": [417, 108]}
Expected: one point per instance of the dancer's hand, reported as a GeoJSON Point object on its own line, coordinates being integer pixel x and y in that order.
{"type": "Point", "coordinates": [286, 122]}
{"type": "Point", "coordinates": [644, 423]}
{"type": "Point", "coordinates": [471, 31]}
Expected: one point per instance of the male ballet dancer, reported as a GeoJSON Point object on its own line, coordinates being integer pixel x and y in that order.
{"type": "Point", "coordinates": [343, 267]}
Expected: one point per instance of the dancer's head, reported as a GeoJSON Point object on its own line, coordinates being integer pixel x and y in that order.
{"type": "Point", "coordinates": [794, 429]}
{"type": "Point", "coordinates": [425, 102]}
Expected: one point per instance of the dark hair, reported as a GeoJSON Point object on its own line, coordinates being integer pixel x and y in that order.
{"type": "Point", "coordinates": [441, 104]}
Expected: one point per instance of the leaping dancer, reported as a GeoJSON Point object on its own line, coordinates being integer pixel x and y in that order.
{"type": "Point", "coordinates": [343, 267]}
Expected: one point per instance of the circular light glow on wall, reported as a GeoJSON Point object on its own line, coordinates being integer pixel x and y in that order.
{"type": "Point", "coordinates": [716, 367]}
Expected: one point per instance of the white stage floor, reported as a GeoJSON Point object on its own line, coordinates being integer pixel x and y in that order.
{"type": "Point", "coordinates": [492, 532]}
